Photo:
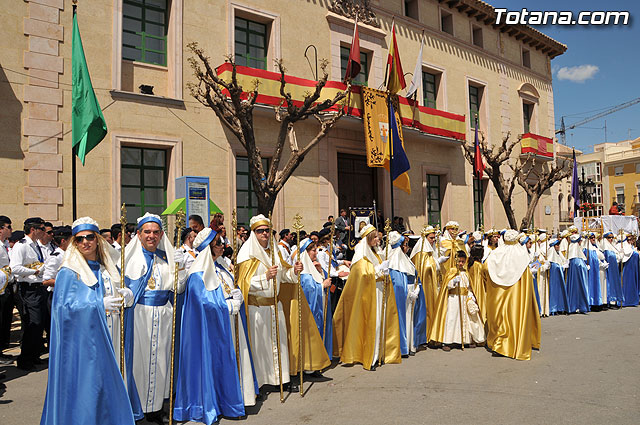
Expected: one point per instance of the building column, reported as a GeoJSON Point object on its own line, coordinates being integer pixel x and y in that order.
{"type": "Point", "coordinates": [42, 126]}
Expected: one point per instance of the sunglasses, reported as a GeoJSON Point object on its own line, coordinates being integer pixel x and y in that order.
{"type": "Point", "coordinates": [261, 231]}
{"type": "Point", "coordinates": [89, 238]}
{"type": "Point", "coordinates": [50, 232]}
{"type": "Point", "coordinates": [219, 242]}
{"type": "Point", "coordinates": [7, 226]}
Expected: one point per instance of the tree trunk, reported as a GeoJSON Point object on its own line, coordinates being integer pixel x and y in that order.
{"type": "Point", "coordinates": [506, 201]}
{"type": "Point", "coordinates": [266, 202]}
{"type": "Point", "coordinates": [531, 208]}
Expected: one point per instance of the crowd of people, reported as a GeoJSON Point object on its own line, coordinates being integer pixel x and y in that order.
{"type": "Point", "coordinates": [265, 311]}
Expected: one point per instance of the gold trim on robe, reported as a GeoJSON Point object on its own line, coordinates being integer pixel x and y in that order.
{"type": "Point", "coordinates": [354, 321]}
{"type": "Point", "coordinates": [244, 272]}
{"type": "Point", "coordinates": [513, 321]}
{"type": "Point", "coordinates": [315, 354]}
{"type": "Point", "coordinates": [477, 287]}
{"type": "Point", "coordinates": [427, 271]}
{"type": "Point", "coordinates": [451, 261]}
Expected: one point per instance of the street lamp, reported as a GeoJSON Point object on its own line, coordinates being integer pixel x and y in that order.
{"type": "Point", "coordinates": [587, 188]}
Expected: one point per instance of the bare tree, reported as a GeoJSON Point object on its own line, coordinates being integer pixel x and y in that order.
{"type": "Point", "coordinates": [496, 157]}
{"type": "Point", "coordinates": [534, 178]}
{"type": "Point", "coordinates": [235, 110]}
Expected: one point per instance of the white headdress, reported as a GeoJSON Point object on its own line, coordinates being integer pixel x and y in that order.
{"type": "Point", "coordinates": [508, 262]}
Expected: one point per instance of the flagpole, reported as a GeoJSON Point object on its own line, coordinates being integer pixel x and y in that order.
{"type": "Point", "coordinates": [390, 153]}
{"type": "Point", "coordinates": [74, 202]}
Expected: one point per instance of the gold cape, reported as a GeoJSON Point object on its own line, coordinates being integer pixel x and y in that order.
{"type": "Point", "coordinates": [243, 273]}
{"type": "Point", "coordinates": [451, 261]}
{"type": "Point", "coordinates": [354, 321]}
{"type": "Point", "coordinates": [427, 272]}
{"type": "Point", "coordinates": [315, 355]}
{"type": "Point", "coordinates": [513, 321]}
{"type": "Point", "coordinates": [477, 287]}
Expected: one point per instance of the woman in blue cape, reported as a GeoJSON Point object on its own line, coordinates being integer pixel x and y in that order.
{"type": "Point", "coordinates": [629, 272]}
{"type": "Point", "coordinates": [314, 286]}
{"type": "Point", "coordinates": [556, 266]}
{"type": "Point", "coordinates": [85, 385]}
{"type": "Point", "coordinates": [403, 276]}
{"type": "Point", "coordinates": [613, 258]}
{"type": "Point", "coordinates": [577, 277]}
{"type": "Point", "coordinates": [207, 383]}
{"type": "Point", "coordinates": [595, 260]}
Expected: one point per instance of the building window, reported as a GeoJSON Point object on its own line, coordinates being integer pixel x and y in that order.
{"type": "Point", "coordinates": [361, 78]}
{"type": "Point", "coordinates": [250, 43]}
{"type": "Point", "coordinates": [526, 58]}
{"type": "Point", "coordinates": [446, 22]}
{"type": "Point", "coordinates": [411, 9]}
{"type": "Point", "coordinates": [619, 170]}
{"type": "Point", "coordinates": [620, 195]}
{"type": "Point", "coordinates": [143, 181]}
{"type": "Point", "coordinates": [476, 36]}
{"type": "Point", "coordinates": [637, 168]}
{"type": "Point", "coordinates": [144, 31]}
{"type": "Point", "coordinates": [478, 203]}
{"type": "Point", "coordinates": [246, 199]}
{"type": "Point", "coordinates": [475, 99]}
{"type": "Point", "coordinates": [596, 196]}
{"type": "Point", "coordinates": [527, 114]}
{"type": "Point", "coordinates": [430, 88]}
{"type": "Point", "coordinates": [434, 204]}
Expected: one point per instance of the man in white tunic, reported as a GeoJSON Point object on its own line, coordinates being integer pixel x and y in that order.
{"type": "Point", "coordinates": [149, 272]}
{"type": "Point", "coordinates": [257, 274]}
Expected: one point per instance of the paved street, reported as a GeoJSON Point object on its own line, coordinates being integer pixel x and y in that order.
{"type": "Point", "coordinates": [586, 372]}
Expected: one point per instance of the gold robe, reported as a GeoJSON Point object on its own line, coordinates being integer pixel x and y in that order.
{"type": "Point", "coordinates": [427, 272]}
{"type": "Point", "coordinates": [445, 250]}
{"type": "Point", "coordinates": [354, 321]}
{"type": "Point", "coordinates": [315, 355]}
{"type": "Point", "coordinates": [513, 321]}
{"type": "Point", "coordinates": [477, 286]}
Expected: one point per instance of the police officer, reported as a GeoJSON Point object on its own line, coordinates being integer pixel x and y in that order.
{"type": "Point", "coordinates": [27, 264]}
{"type": "Point", "coordinates": [6, 294]}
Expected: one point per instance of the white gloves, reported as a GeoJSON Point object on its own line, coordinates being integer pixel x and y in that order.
{"type": "Point", "coordinates": [588, 267]}
{"type": "Point", "coordinates": [383, 268]}
{"type": "Point", "coordinates": [413, 295]}
{"type": "Point", "coordinates": [127, 295]}
{"type": "Point", "coordinates": [236, 294]}
{"type": "Point", "coordinates": [454, 282]}
{"type": "Point", "coordinates": [442, 259]}
{"type": "Point", "coordinates": [544, 267]}
{"type": "Point", "coordinates": [233, 306]}
{"type": "Point", "coordinates": [565, 266]}
{"type": "Point", "coordinates": [3, 282]}
{"type": "Point", "coordinates": [604, 265]}
{"type": "Point", "coordinates": [112, 304]}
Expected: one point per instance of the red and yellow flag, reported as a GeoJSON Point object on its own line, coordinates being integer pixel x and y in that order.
{"type": "Point", "coordinates": [396, 76]}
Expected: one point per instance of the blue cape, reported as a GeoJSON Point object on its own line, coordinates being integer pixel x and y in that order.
{"type": "Point", "coordinates": [614, 284]}
{"type": "Point", "coordinates": [400, 281]}
{"type": "Point", "coordinates": [630, 281]}
{"type": "Point", "coordinates": [313, 293]}
{"type": "Point", "coordinates": [207, 384]}
{"type": "Point", "coordinates": [577, 289]}
{"type": "Point", "coordinates": [558, 298]}
{"type": "Point", "coordinates": [420, 319]}
{"type": "Point", "coordinates": [595, 297]}
{"type": "Point", "coordinates": [85, 385]}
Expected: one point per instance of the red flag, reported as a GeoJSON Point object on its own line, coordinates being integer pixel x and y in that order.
{"type": "Point", "coordinates": [353, 65]}
{"type": "Point", "coordinates": [396, 76]}
{"type": "Point", "coordinates": [478, 165]}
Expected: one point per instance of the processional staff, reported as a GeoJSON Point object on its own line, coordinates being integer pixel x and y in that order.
{"type": "Point", "coordinates": [326, 297]}
{"type": "Point", "coordinates": [180, 222]}
{"type": "Point", "coordinates": [123, 225]}
{"type": "Point", "coordinates": [274, 282]}
{"type": "Point", "coordinates": [234, 256]}
{"type": "Point", "coordinates": [383, 328]}
{"type": "Point", "coordinates": [297, 226]}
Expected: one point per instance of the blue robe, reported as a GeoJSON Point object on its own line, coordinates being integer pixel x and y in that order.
{"type": "Point", "coordinates": [207, 384]}
{"type": "Point", "coordinates": [313, 293]}
{"type": "Point", "coordinates": [630, 281]}
{"type": "Point", "coordinates": [595, 297]}
{"type": "Point", "coordinates": [420, 319]}
{"type": "Point", "coordinates": [400, 282]}
{"type": "Point", "coordinates": [614, 285]}
{"type": "Point", "coordinates": [558, 298]}
{"type": "Point", "coordinates": [85, 385]}
{"type": "Point", "coordinates": [577, 289]}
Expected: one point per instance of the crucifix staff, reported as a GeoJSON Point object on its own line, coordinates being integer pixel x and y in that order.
{"type": "Point", "coordinates": [274, 281]}
{"type": "Point", "coordinates": [297, 226]}
{"type": "Point", "coordinates": [180, 222]}
{"type": "Point", "coordinates": [234, 256]}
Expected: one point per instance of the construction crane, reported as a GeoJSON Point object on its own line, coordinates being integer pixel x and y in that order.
{"type": "Point", "coordinates": [562, 131]}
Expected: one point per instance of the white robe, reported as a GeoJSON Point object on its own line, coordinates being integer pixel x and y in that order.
{"type": "Point", "coordinates": [472, 324]}
{"type": "Point", "coordinates": [248, 389]}
{"type": "Point", "coordinates": [262, 328]}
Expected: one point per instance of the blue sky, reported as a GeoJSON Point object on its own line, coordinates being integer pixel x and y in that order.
{"type": "Point", "coordinates": [614, 50]}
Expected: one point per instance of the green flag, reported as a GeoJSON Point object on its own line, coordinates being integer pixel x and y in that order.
{"type": "Point", "coordinates": [87, 122]}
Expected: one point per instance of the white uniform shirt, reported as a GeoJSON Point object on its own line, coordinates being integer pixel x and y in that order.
{"type": "Point", "coordinates": [25, 252]}
{"type": "Point", "coordinates": [52, 265]}
{"type": "Point", "coordinates": [4, 261]}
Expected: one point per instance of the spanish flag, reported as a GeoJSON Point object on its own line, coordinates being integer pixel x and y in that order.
{"type": "Point", "coordinates": [396, 76]}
